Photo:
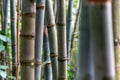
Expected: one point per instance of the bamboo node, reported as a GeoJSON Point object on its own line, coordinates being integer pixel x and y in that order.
{"type": "Point", "coordinates": [117, 42]}
{"type": "Point", "coordinates": [28, 36]}
{"type": "Point", "coordinates": [38, 63]}
{"type": "Point", "coordinates": [53, 55]}
{"type": "Point", "coordinates": [40, 6]}
{"type": "Point", "coordinates": [27, 63]}
{"type": "Point", "coordinates": [62, 59]}
{"type": "Point", "coordinates": [60, 24]}
{"type": "Point", "coordinates": [32, 14]}
{"type": "Point", "coordinates": [12, 19]}
{"type": "Point", "coordinates": [50, 25]}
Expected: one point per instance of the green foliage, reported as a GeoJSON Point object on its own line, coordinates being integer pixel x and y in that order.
{"type": "Point", "coordinates": [4, 42]}
{"type": "Point", "coordinates": [71, 72]}
{"type": "Point", "coordinates": [2, 71]}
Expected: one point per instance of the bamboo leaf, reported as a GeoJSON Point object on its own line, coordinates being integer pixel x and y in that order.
{"type": "Point", "coordinates": [3, 67]}
{"type": "Point", "coordinates": [2, 48]}
{"type": "Point", "coordinates": [4, 38]}
{"type": "Point", "coordinates": [3, 73]}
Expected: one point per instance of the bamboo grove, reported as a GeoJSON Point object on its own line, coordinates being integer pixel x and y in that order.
{"type": "Point", "coordinates": [59, 40]}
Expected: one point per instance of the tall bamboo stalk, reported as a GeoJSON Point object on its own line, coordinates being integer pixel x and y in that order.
{"type": "Point", "coordinates": [27, 39]}
{"type": "Point", "coordinates": [78, 17]}
{"type": "Point", "coordinates": [39, 37]}
{"type": "Point", "coordinates": [61, 31]}
{"type": "Point", "coordinates": [13, 36]}
{"type": "Point", "coordinates": [1, 12]}
{"type": "Point", "coordinates": [84, 55]}
{"type": "Point", "coordinates": [116, 28]}
{"type": "Point", "coordinates": [69, 29]}
{"type": "Point", "coordinates": [48, 67]}
{"type": "Point", "coordinates": [18, 30]}
{"type": "Point", "coordinates": [52, 35]}
{"type": "Point", "coordinates": [100, 18]}
{"type": "Point", "coordinates": [5, 22]}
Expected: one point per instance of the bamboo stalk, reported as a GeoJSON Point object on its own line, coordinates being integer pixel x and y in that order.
{"type": "Point", "coordinates": [48, 68]}
{"type": "Point", "coordinates": [39, 37]}
{"type": "Point", "coordinates": [61, 32]}
{"type": "Point", "coordinates": [69, 29]}
{"type": "Point", "coordinates": [52, 35]}
{"type": "Point", "coordinates": [84, 56]}
{"type": "Point", "coordinates": [13, 37]}
{"type": "Point", "coordinates": [18, 31]}
{"type": "Point", "coordinates": [78, 18]}
{"type": "Point", "coordinates": [27, 38]}
{"type": "Point", "coordinates": [100, 19]}
{"type": "Point", "coordinates": [5, 25]}
{"type": "Point", "coordinates": [116, 30]}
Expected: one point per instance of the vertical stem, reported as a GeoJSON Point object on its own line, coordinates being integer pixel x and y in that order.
{"type": "Point", "coordinates": [39, 37]}
{"type": "Point", "coordinates": [13, 36]}
{"type": "Point", "coordinates": [69, 29]}
{"type": "Point", "coordinates": [48, 68]}
{"type": "Point", "coordinates": [84, 55]}
{"type": "Point", "coordinates": [78, 18]}
{"type": "Point", "coordinates": [61, 28]}
{"type": "Point", "coordinates": [116, 28]}
{"type": "Point", "coordinates": [100, 18]}
{"type": "Point", "coordinates": [5, 24]}
{"type": "Point", "coordinates": [18, 30]}
{"type": "Point", "coordinates": [52, 35]}
{"type": "Point", "coordinates": [27, 39]}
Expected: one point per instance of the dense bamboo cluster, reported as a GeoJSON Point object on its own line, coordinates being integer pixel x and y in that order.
{"type": "Point", "coordinates": [43, 38]}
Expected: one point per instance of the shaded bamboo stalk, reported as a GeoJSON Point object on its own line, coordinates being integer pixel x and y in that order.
{"type": "Point", "coordinates": [13, 36]}
{"type": "Point", "coordinates": [52, 35]}
{"type": "Point", "coordinates": [18, 30]}
{"type": "Point", "coordinates": [69, 29]}
{"type": "Point", "coordinates": [1, 12]}
{"type": "Point", "coordinates": [39, 37]}
{"type": "Point", "coordinates": [84, 55]}
{"type": "Point", "coordinates": [116, 30]}
{"type": "Point", "coordinates": [5, 23]}
{"type": "Point", "coordinates": [48, 68]}
{"type": "Point", "coordinates": [61, 32]}
{"type": "Point", "coordinates": [100, 19]}
{"type": "Point", "coordinates": [27, 39]}
{"type": "Point", "coordinates": [78, 18]}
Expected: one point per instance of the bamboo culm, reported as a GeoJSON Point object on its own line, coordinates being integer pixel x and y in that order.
{"type": "Point", "coordinates": [69, 29]}
{"type": "Point", "coordinates": [85, 61]}
{"type": "Point", "coordinates": [13, 37]}
{"type": "Point", "coordinates": [5, 22]}
{"type": "Point", "coordinates": [116, 30]}
{"type": "Point", "coordinates": [48, 67]}
{"type": "Point", "coordinates": [27, 38]}
{"type": "Point", "coordinates": [39, 37]}
{"type": "Point", "coordinates": [52, 35]}
{"type": "Point", "coordinates": [100, 21]}
{"type": "Point", "coordinates": [61, 32]}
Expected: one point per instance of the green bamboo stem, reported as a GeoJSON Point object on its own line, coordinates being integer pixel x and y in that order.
{"type": "Point", "coordinates": [116, 30]}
